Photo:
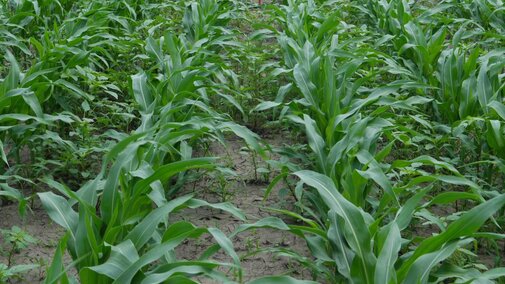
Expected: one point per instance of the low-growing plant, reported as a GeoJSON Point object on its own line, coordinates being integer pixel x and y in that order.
{"type": "Point", "coordinates": [15, 240]}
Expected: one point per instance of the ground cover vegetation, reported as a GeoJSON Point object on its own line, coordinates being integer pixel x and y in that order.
{"type": "Point", "coordinates": [390, 116]}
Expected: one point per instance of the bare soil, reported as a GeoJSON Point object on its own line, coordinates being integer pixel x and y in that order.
{"type": "Point", "coordinates": [245, 193]}
{"type": "Point", "coordinates": [38, 225]}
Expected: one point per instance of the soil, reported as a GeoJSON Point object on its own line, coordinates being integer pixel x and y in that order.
{"type": "Point", "coordinates": [39, 225]}
{"type": "Point", "coordinates": [243, 190]}
{"type": "Point", "coordinates": [245, 193]}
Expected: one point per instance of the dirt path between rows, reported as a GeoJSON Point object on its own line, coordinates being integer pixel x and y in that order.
{"type": "Point", "coordinates": [247, 195]}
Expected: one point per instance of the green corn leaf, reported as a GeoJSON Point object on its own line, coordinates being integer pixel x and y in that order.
{"type": "Point", "coordinates": [143, 231]}
{"type": "Point", "coordinates": [272, 184]}
{"type": "Point", "coordinates": [268, 222]}
{"type": "Point", "coordinates": [179, 279]}
{"type": "Point", "coordinates": [385, 269]}
{"type": "Point", "coordinates": [166, 171]}
{"type": "Point", "coordinates": [13, 193]}
{"type": "Point", "coordinates": [406, 212]}
{"type": "Point", "coordinates": [231, 100]}
{"type": "Point", "coordinates": [495, 135]}
{"type": "Point", "coordinates": [493, 273]}
{"type": "Point", "coordinates": [357, 233]}
{"type": "Point", "coordinates": [297, 216]}
{"type": "Point", "coordinates": [316, 142]}
{"type": "Point", "coordinates": [14, 76]}
{"type": "Point", "coordinates": [427, 160]}
{"type": "Point", "coordinates": [184, 268]}
{"type": "Point", "coordinates": [264, 106]}
{"type": "Point", "coordinates": [2, 153]}
{"type": "Point", "coordinates": [457, 180]}
{"type": "Point", "coordinates": [122, 256]}
{"type": "Point", "coordinates": [250, 138]}
{"type": "Point", "coordinates": [375, 173]}
{"type": "Point", "coordinates": [73, 89]}
{"type": "Point", "coordinates": [31, 76]}
{"type": "Point", "coordinates": [303, 82]}
{"type": "Point", "coordinates": [119, 147]}
{"type": "Point", "coordinates": [141, 91]}
{"type": "Point", "coordinates": [79, 58]}
{"type": "Point", "coordinates": [60, 212]}
{"type": "Point", "coordinates": [484, 90]}
{"type": "Point", "coordinates": [420, 270]}
{"type": "Point", "coordinates": [450, 197]}
{"type": "Point", "coordinates": [29, 98]}
{"type": "Point", "coordinates": [110, 196]}
{"type": "Point", "coordinates": [153, 254]}
{"type": "Point", "coordinates": [56, 271]}
{"type": "Point", "coordinates": [283, 91]}
{"type": "Point", "coordinates": [182, 228]}
{"type": "Point", "coordinates": [466, 225]}
{"type": "Point", "coordinates": [499, 108]}
{"type": "Point", "coordinates": [226, 244]}
{"type": "Point", "coordinates": [225, 206]}
{"type": "Point", "coordinates": [153, 49]}
{"type": "Point", "coordinates": [343, 255]}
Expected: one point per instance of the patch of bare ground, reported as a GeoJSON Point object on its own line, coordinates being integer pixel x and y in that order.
{"type": "Point", "coordinates": [39, 225]}
{"type": "Point", "coordinates": [247, 195]}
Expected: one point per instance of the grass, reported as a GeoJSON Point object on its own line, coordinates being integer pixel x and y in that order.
{"type": "Point", "coordinates": [395, 110]}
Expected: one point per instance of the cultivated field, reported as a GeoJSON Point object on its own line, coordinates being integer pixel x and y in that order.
{"type": "Point", "coordinates": [231, 141]}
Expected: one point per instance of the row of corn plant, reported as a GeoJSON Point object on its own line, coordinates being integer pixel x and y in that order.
{"type": "Point", "coordinates": [133, 179]}
{"type": "Point", "coordinates": [464, 71]}
{"type": "Point", "coordinates": [364, 194]}
{"type": "Point", "coordinates": [119, 225]}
